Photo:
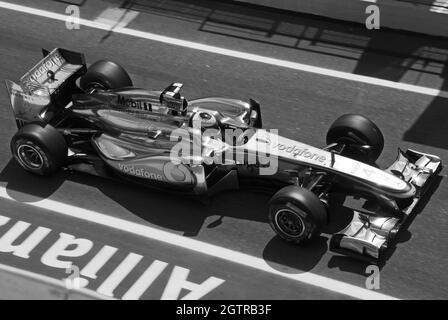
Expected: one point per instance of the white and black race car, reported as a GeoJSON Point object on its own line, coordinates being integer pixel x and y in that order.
{"type": "Point", "coordinates": [93, 120]}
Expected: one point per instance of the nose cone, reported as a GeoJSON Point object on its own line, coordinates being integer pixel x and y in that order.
{"type": "Point", "coordinates": [374, 177]}
{"type": "Point", "coordinates": [388, 182]}
{"type": "Point", "coordinates": [401, 188]}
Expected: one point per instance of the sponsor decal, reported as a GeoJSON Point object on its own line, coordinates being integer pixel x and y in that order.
{"type": "Point", "coordinates": [139, 172]}
{"type": "Point", "coordinates": [301, 152]}
{"type": "Point", "coordinates": [51, 63]}
{"type": "Point", "coordinates": [41, 100]}
{"type": "Point", "coordinates": [136, 104]}
{"type": "Point", "coordinates": [176, 172]}
{"type": "Point", "coordinates": [23, 98]}
{"type": "Point", "coordinates": [377, 176]}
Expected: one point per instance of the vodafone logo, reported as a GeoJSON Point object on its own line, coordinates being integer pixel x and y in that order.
{"type": "Point", "coordinates": [139, 172]}
{"type": "Point", "coordinates": [301, 152]}
{"type": "Point", "coordinates": [53, 61]}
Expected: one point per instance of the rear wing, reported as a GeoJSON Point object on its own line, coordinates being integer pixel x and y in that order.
{"type": "Point", "coordinates": [56, 69]}
{"type": "Point", "coordinates": [48, 86]}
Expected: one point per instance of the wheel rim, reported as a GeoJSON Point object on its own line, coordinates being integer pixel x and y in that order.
{"type": "Point", "coordinates": [30, 157]}
{"type": "Point", "coordinates": [290, 223]}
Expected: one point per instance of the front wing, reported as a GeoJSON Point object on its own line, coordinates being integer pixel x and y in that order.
{"type": "Point", "coordinates": [367, 237]}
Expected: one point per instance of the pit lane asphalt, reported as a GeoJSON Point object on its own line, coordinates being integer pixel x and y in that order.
{"type": "Point", "coordinates": [301, 105]}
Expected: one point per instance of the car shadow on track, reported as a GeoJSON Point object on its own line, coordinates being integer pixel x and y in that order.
{"type": "Point", "coordinates": [167, 210]}
{"type": "Point", "coordinates": [279, 254]}
{"type": "Point", "coordinates": [26, 187]}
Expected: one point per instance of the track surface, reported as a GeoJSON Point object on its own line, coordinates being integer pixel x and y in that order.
{"type": "Point", "coordinates": [302, 105]}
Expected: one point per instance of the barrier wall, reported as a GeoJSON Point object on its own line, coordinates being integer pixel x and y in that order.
{"type": "Point", "coordinates": [409, 15]}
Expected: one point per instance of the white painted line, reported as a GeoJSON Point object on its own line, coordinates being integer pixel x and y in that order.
{"type": "Point", "coordinates": [233, 53]}
{"type": "Point", "coordinates": [97, 262]}
{"type": "Point", "coordinates": [145, 281]}
{"type": "Point", "coordinates": [116, 17]}
{"type": "Point", "coordinates": [117, 276]}
{"type": "Point", "coordinates": [201, 247]}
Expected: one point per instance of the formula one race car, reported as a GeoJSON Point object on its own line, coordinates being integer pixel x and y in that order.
{"type": "Point", "coordinates": [93, 120]}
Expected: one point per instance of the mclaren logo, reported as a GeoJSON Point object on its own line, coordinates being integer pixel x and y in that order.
{"type": "Point", "coordinates": [140, 172]}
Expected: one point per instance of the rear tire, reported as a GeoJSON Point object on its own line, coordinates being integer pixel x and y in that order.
{"type": "Point", "coordinates": [296, 214]}
{"type": "Point", "coordinates": [105, 74]}
{"type": "Point", "coordinates": [40, 150]}
{"type": "Point", "coordinates": [357, 130]}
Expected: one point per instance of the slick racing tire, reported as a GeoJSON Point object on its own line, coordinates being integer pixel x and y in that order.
{"type": "Point", "coordinates": [105, 74]}
{"type": "Point", "coordinates": [40, 150]}
{"type": "Point", "coordinates": [356, 131]}
{"type": "Point", "coordinates": [296, 214]}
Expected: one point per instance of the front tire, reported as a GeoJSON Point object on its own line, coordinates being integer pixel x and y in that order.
{"type": "Point", "coordinates": [296, 214]}
{"type": "Point", "coordinates": [356, 131]}
{"type": "Point", "coordinates": [40, 150]}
